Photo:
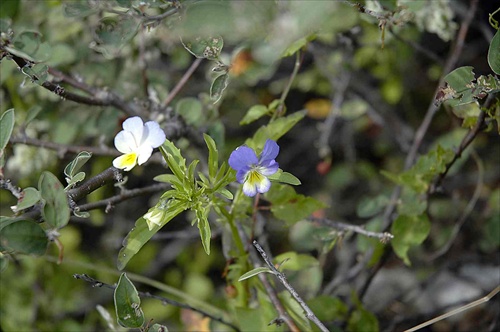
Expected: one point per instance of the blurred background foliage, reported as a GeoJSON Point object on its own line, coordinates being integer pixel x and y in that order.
{"type": "Point", "coordinates": [365, 74]}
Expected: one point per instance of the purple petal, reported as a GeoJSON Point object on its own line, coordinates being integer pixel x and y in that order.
{"type": "Point", "coordinates": [270, 151]}
{"type": "Point", "coordinates": [242, 157]}
{"type": "Point", "coordinates": [242, 174]}
{"type": "Point", "coordinates": [269, 169]}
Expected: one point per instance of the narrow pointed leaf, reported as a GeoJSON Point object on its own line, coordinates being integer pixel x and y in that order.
{"type": "Point", "coordinates": [254, 272]}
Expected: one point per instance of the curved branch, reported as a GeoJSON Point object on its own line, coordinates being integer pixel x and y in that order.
{"type": "Point", "coordinates": [97, 283]}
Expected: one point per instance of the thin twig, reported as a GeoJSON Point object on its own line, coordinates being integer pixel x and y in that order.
{"type": "Point", "coordinates": [62, 149]}
{"type": "Point", "coordinates": [281, 277]}
{"type": "Point", "coordinates": [298, 61]}
{"type": "Point", "coordinates": [384, 237]}
{"type": "Point", "coordinates": [182, 81]}
{"type": "Point", "coordinates": [164, 300]}
{"type": "Point", "coordinates": [468, 209]}
{"type": "Point", "coordinates": [100, 98]}
{"type": "Point", "coordinates": [123, 196]}
{"type": "Point", "coordinates": [466, 141]}
{"type": "Point", "coordinates": [283, 315]}
{"type": "Point", "coordinates": [457, 311]}
{"type": "Point", "coordinates": [14, 190]}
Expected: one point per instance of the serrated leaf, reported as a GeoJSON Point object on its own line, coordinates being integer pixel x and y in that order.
{"type": "Point", "coordinates": [204, 227]}
{"type": "Point", "coordinates": [218, 86]}
{"type": "Point", "coordinates": [255, 272]}
{"type": "Point", "coordinates": [208, 48]}
{"type": "Point", "coordinates": [494, 53]}
{"type": "Point", "coordinates": [77, 163]}
{"type": "Point", "coordinates": [30, 196]}
{"type": "Point", "coordinates": [274, 130]}
{"type": "Point", "coordinates": [141, 234]}
{"type": "Point", "coordinates": [55, 210]}
{"type": "Point", "coordinates": [174, 159]}
{"type": "Point", "coordinates": [213, 156]}
{"type": "Point", "coordinates": [128, 304]}
{"type": "Point", "coordinates": [6, 126]}
{"type": "Point", "coordinates": [254, 113]}
{"type": "Point", "coordinates": [24, 236]}
{"type": "Point", "coordinates": [409, 231]}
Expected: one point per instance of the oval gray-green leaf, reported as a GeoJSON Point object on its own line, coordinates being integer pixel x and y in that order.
{"type": "Point", "coordinates": [30, 196]}
{"type": "Point", "coordinates": [77, 163]}
{"type": "Point", "coordinates": [494, 53]}
{"type": "Point", "coordinates": [218, 86]}
{"type": "Point", "coordinates": [24, 236]}
{"type": "Point", "coordinates": [56, 210]}
{"type": "Point", "coordinates": [6, 126]}
{"type": "Point", "coordinates": [208, 48]}
{"type": "Point", "coordinates": [128, 304]}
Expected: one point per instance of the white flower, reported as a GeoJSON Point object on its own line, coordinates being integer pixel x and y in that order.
{"type": "Point", "coordinates": [137, 141]}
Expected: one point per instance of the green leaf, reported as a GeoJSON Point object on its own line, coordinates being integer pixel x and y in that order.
{"type": "Point", "coordinates": [297, 45]}
{"type": "Point", "coordinates": [213, 156]}
{"type": "Point", "coordinates": [30, 196]}
{"type": "Point", "coordinates": [295, 262]}
{"type": "Point", "coordinates": [115, 30]}
{"type": "Point", "coordinates": [23, 236]}
{"type": "Point", "coordinates": [289, 206]}
{"type": "Point", "coordinates": [254, 272]}
{"type": "Point", "coordinates": [77, 163]}
{"type": "Point", "coordinates": [204, 227]}
{"type": "Point", "coordinates": [37, 73]}
{"type": "Point", "coordinates": [207, 48]}
{"type": "Point", "coordinates": [328, 308]}
{"type": "Point", "coordinates": [158, 328]}
{"type": "Point", "coordinates": [460, 78]}
{"type": "Point", "coordinates": [6, 126]}
{"type": "Point", "coordinates": [174, 159]}
{"type": "Point", "coordinates": [141, 234]}
{"type": "Point", "coordinates": [32, 113]}
{"type": "Point", "coordinates": [128, 304]}
{"type": "Point", "coordinates": [78, 8]}
{"type": "Point", "coordinates": [494, 53]}
{"type": "Point", "coordinates": [55, 210]}
{"type": "Point", "coordinates": [29, 44]}
{"type": "Point", "coordinates": [75, 179]}
{"type": "Point", "coordinates": [409, 231]}
{"type": "Point", "coordinates": [362, 320]}
{"type": "Point", "coordinates": [370, 206]}
{"type": "Point", "coordinates": [218, 86]}
{"type": "Point", "coordinates": [289, 178]}
{"type": "Point", "coordinates": [254, 113]}
{"type": "Point", "coordinates": [274, 130]}
{"type": "Point", "coordinates": [191, 110]}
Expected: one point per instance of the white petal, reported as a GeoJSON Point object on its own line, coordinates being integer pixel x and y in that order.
{"type": "Point", "coordinates": [144, 153]}
{"type": "Point", "coordinates": [125, 142]}
{"type": "Point", "coordinates": [249, 189]}
{"type": "Point", "coordinates": [136, 127]}
{"type": "Point", "coordinates": [263, 185]}
{"type": "Point", "coordinates": [155, 135]}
